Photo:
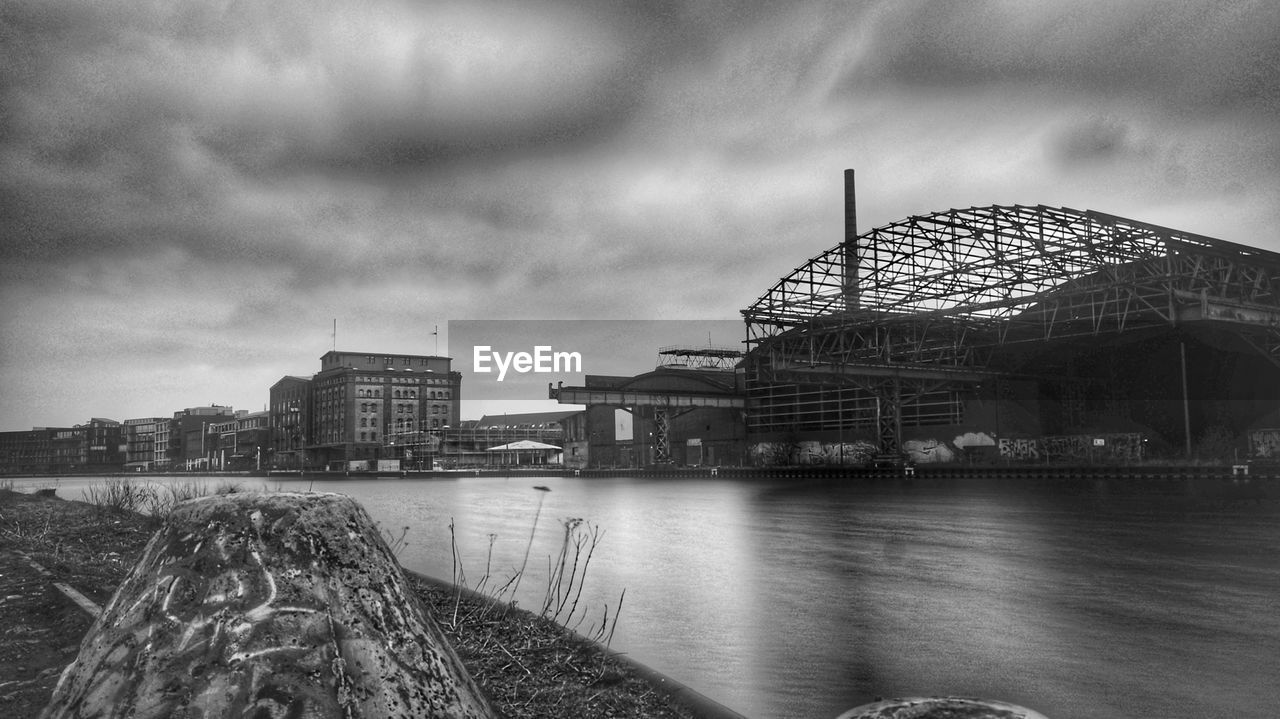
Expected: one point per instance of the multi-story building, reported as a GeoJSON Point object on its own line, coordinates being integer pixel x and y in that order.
{"type": "Point", "coordinates": [146, 447]}
{"type": "Point", "coordinates": [288, 415]}
{"type": "Point", "coordinates": [253, 438]}
{"type": "Point", "coordinates": [162, 460]}
{"type": "Point", "coordinates": [222, 439]}
{"type": "Point", "coordinates": [375, 406]}
{"type": "Point", "coordinates": [70, 449]}
{"type": "Point", "coordinates": [105, 450]}
{"type": "Point", "coordinates": [192, 443]}
{"type": "Point", "coordinates": [239, 443]}
{"type": "Point", "coordinates": [97, 446]}
{"type": "Point", "coordinates": [364, 406]}
{"type": "Point", "coordinates": [28, 451]}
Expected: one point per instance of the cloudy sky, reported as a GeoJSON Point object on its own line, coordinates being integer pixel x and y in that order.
{"type": "Point", "coordinates": [192, 192]}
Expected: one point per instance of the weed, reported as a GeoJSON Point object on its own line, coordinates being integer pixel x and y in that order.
{"type": "Point", "coordinates": [168, 495]}
{"type": "Point", "coordinates": [36, 530]}
{"type": "Point", "coordinates": [566, 577]}
{"type": "Point", "coordinates": [562, 576]}
{"type": "Point", "coordinates": [542, 495]}
{"type": "Point", "coordinates": [395, 542]}
{"type": "Point", "coordinates": [120, 495]}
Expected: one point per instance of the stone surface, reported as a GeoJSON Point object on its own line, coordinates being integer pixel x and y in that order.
{"type": "Point", "coordinates": [940, 708]}
{"type": "Point", "coordinates": [266, 606]}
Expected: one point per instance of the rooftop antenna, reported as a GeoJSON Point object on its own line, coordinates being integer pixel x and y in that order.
{"type": "Point", "coordinates": [335, 334]}
{"type": "Point", "coordinates": [436, 333]}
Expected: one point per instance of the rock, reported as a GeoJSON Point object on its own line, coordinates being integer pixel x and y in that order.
{"type": "Point", "coordinates": [940, 708]}
{"type": "Point", "coordinates": [266, 605]}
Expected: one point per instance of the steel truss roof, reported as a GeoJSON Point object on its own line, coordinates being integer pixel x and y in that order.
{"type": "Point", "coordinates": [947, 288]}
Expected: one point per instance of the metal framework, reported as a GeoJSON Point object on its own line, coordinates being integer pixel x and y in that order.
{"type": "Point", "coordinates": [904, 315]}
{"type": "Point", "coordinates": [721, 358]}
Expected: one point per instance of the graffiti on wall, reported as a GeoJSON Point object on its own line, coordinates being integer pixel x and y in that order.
{"type": "Point", "coordinates": [1115, 446]}
{"type": "Point", "coordinates": [1265, 443]}
{"type": "Point", "coordinates": [928, 451]}
{"type": "Point", "coordinates": [1091, 447]}
{"type": "Point", "coordinates": [1019, 448]}
{"type": "Point", "coordinates": [809, 452]}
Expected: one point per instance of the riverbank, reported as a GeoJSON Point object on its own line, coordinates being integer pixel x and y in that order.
{"type": "Point", "coordinates": [1269, 471]}
{"type": "Point", "coordinates": [528, 666]}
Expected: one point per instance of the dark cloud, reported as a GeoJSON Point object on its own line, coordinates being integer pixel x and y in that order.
{"type": "Point", "coordinates": [1196, 58]}
{"type": "Point", "coordinates": [199, 180]}
{"type": "Point", "coordinates": [1096, 140]}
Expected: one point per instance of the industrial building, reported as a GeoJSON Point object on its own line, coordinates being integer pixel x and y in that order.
{"type": "Point", "coordinates": [1018, 332]}
{"type": "Point", "coordinates": [1000, 333]}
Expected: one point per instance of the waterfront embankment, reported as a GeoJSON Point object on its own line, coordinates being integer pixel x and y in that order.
{"type": "Point", "coordinates": [526, 664]}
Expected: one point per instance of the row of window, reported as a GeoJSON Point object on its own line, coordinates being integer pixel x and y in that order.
{"type": "Point", "coordinates": [401, 380]}
{"type": "Point", "coordinates": [404, 361]}
{"type": "Point", "coordinates": [373, 407]}
{"type": "Point", "coordinates": [401, 394]}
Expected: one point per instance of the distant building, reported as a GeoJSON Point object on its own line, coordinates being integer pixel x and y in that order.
{"type": "Point", "coordinates": [364, 406]}
{"type": "Point", "coordinates": [238, 443]}
{"type": "Point", "coordinates": [192, 441]}
{"type": "Point", "coordinates": [96, 446]}
{"type": "Point", "coordinates": [678, 414]}
{"type": "Point", "coordinates": [288, 417]}
{"type": "Point", "coordinates": [252, 440]}
{"type": "Point", "coordinates": [146, 442]}
{"type": "Point", "coordinates": [469, 443]}
{"type": "Point", "coordinates": [28, 451]}
{"type": "Point", "coordinates": [105, 450]}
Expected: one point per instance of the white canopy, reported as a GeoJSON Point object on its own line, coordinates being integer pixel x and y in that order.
{"type": "Point", "coordinates": [521, 444]}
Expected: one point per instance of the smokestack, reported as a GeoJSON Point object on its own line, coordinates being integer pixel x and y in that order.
{"type": "Point", "coordinates": [849, 246]}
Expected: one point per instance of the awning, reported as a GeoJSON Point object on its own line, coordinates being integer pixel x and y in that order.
{"type": "Point", "coordinates": [522, 444]}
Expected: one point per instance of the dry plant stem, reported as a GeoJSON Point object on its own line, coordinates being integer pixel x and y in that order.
{"type": "Point", "coordinates": [616, 613]}
{"type": "Point", "coordinates": [562, 577]}
{"type": "Point", "coordinates": [459, 578]}
{"type": "Point", "coordinates": [595, 535]}
{"type": "Point", "coordinates": [541, 497]}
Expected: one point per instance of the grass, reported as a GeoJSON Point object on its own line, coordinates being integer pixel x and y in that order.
{"type": "Point", "coordinates": [123, 495]}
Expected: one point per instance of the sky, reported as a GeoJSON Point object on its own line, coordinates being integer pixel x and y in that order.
{"type": "Point", "coordinates": [193, 193]}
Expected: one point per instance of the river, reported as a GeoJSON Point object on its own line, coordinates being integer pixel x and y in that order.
{"type": "Point", "coordinates": [1081, 599]}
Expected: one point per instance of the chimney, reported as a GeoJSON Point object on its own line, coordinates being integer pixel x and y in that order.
{"type": "Point", "coordinates": [849, 247]}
